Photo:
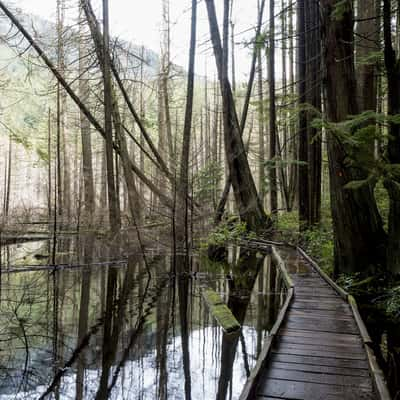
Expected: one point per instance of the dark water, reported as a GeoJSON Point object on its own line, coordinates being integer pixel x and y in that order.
{"type": "Point", "coordinates": [110, 331]}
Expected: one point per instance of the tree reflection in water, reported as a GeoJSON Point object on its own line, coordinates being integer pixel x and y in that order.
{"type": "Point", "coordinates": [111, 333]}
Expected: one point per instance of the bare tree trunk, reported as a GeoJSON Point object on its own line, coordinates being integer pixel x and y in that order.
{"type": "Point", "coordinates": [115, 217]}
{"type": "Point", "coordinates": [247, 200]}
{"type": "Point", "coordinates": [84, 90]}
{"type": "Point", "coordinates": [272, 111]}
{"type": "Point", "coordinates": [261, 130]}
{"type": "Point", "coordinates": [225, 194]}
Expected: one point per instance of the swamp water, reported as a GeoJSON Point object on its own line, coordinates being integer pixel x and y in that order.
{"type": "Point", "coordinates": [99, 327]}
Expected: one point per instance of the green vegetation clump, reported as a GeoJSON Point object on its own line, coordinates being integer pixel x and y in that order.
{"type": "Point", "coordinates": [230, 230]}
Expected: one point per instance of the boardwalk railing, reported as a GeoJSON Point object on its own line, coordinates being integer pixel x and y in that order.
{"type": "Point", "coordinates": [377, 376]}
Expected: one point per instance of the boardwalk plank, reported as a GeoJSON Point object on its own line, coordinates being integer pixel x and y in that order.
{"type": "Point", "coordinates": [313, 377]}
{"type": "Point", "coordinates": [311, 391]}
{"type": "Point", "coordinates": [324, 361]}
{"type": "Point", "coordinates": [321, 369]}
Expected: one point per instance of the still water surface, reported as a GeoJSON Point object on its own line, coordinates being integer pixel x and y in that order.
{"type": "Point", "coordinates": [109, 331]}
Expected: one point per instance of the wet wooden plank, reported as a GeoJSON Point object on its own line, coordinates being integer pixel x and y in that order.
{"type": "Point", "coordinates": [311, 391]}
{"type": "Point", "coordinates": [327, 347]}
{"type": "Point", "coordinates": [321, 327]}
{"type": "Point", "coordinates": [323, 335]}
{"type": "Point", "coordinates": [314, 377]}
{"type": "Point", "coordinates": [319, 306]}
{"type": "Point", "coordinates": [337, 316]}
{"type": "Point", "coordinates": [318, 353]}
{"type": "Point", "coordinates": [324, 361]}
{"type": "Point", "coordinates": [321, 369]}
{"type": "Point", "coordinates": [320, 341]}
{"type": "Point", "coordinates": [328, 322]}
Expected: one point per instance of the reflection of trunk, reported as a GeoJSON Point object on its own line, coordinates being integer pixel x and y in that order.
{"type": "Point", "coordinates": [239, 299]}
{"type": "Point", "coordinates": [84, 313]}
{"type": "Point", "coordinates": [163, 311]}
{"type": "Point", "coordinates": [113, 322]}
{"type": "Point", "coordinates": [183, 293]}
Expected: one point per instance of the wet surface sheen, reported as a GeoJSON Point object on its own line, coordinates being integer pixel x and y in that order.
{"type": "Point", "coordinates": [110, 331]}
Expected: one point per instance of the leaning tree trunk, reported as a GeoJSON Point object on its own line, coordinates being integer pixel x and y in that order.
{"type": "Point", "coordinates": [359, 238]}
{"type": "Point", "coordinates": [222, 203]}
{"type": "Point", "coordinates": [246, 197]}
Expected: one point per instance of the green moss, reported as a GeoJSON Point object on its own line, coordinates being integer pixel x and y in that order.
{"type": "Point", "coordinates": [220, 311]}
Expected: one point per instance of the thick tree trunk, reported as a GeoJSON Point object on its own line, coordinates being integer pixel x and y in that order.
{"type": "Point", "coordinates": [246, 197]}
{"type": "Point", "coordinates": [359, 238]}
{"type": "Point", "coordinates": [303, 184]}
{"type": "Point", "coordinates": [313, 97]}
{"type": "Point", "coordinates": [393, 145]}
{"type": "Point", "coordinates": [367, 43]}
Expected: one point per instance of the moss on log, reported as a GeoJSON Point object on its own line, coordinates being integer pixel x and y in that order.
{"type": "Point", "coordinates": [220, 311]}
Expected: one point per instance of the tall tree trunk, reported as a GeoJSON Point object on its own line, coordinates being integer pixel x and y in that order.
{"type": "Point", "coordinates": [115, 217]}
{"type": "Point", "coordinates": [261, 132]}
{"type": "Point", "coordinates": [272, 111]}
{"type": "Point", "coordinates": [246, 197]}
{"type": "Point", "coordinates": [392, 182]}
{"type": "Point", "coordinates": [183, 209]}
{"type": "Point", "coordinates": [293, 151]}
{"type": "Point", "coordinates": [87, 166]}
{"type": "Point", "coordinates": [303, 185]}
{"type": "Point", "coordinates": [313, 98]}
{"type": "Point", "coordinates": [367, 46]}
{"type": "Point", "coordinates": [133, 195]}
{"type": "Point", "coordinates": [359, 238]}
{"type": "Point", "coordinates": [225, 194]}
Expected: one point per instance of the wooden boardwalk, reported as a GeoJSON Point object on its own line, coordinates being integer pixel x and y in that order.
{"type": "Point", "coordinates": [318, 351]}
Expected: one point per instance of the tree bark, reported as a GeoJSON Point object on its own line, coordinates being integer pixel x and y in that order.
{"type": "Point", "coordinates": [359, 238]}
{"type": "Point", "coordinates": [224, 197]}
{"type": "Point", "coordinates": [87, 163]}
{"type": "Point", "coordinates": [272, 111]}
{"type": "Point", "coordinates": [183, 209]}
{"type": "Point", "coordinates": [303, 185]}
{"type": "Point", "coordinates": [392, 182]}
{"type": "Point", "coordinates": [114, 215]}
{"type": "Point", "coordinates": [246, 197]}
